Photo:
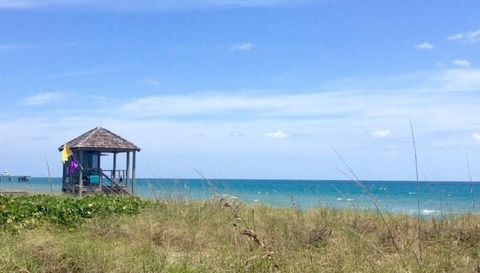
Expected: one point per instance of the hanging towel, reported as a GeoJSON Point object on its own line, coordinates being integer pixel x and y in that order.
{"type": "Point", "coordinates": [73, 167]}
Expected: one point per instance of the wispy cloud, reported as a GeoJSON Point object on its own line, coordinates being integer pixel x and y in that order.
{"type": "Point", "coordinates": [469, 36]}
{"type": "Point", "coordinates": [29, 46]}
{"type": "Point", "coordinates": [142, 4]}
{"type": "Point", "coordinates": [424, 45]}
{"type": "Point", "coordinates": [79, 73]}
{"type": "Point", "coordinates": [242, 47]}
{"type": "Point", "coordinates": [7, 47]}
{"type": "Point", "coordinates": [461, 62]}
{"type": "Point", "coordinates": [15, 4]}
{"type": "Point", "coordinates": [298, 105]}
{"type": "Point", "coordinates": [42, 98]}
{"type": "Point", "coordinates": [466, 79]}
{"type": "Point", "coordinates": [224, 105]}
{"type": "Point", "coordinates": [442, 79]}
{"type": "Point", "coordinates": [270, 117]}
{"type": "Point", "coordinates": [476, 137]}
{"type": "Point", "coordinates": [279, 134]}
{"type": "Point", "coordinates": [381, 133]}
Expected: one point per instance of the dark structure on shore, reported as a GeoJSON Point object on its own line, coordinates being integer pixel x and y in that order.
{"type": "Point", "coordinates": [88, 150]}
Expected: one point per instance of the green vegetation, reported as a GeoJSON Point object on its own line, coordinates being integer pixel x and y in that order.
{"type": "Point", "coordinates": [27, 211]}
{"type": "Point", "coordinates": [221, 235]}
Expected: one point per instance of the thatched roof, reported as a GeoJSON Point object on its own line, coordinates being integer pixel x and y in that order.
{"type": "Point", "coordinates": [101, 140]}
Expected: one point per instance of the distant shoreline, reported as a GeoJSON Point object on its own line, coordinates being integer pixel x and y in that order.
{"type": "Point", "coordinates": [286, 180]}
{"type": "Point", "coordinates": [395, 197]}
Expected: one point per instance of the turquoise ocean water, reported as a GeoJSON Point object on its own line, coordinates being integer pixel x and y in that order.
{"type": "Point", "coordinates": [392, 196]}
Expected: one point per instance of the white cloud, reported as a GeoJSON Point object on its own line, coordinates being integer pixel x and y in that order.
{"type": "Point", "coordinates": [42, 99]}
{"type": "Point", "coordinates": [424, 45]}
{"type": "Point", "coordinates": [460, 62]}
{"type": "Point", "coordinates": [279, 134]}
{"type": "Point", "coordinates": [456, 80]}
{"type": "Point", "coordinates": [245, 105]}
{"type": "Point", "coordinates": [242, 47]}
{"type": "Point", "coordinates": [142, 4]}
{"type": "Point", "coordinates": [306, 105]}
{"type": "Point", "coordinates": [381, 133]}
{"type": "Point", "coordinates": [476, 137]}
{"type": "Point", "coordinates": [469, 36]}
{"type": "Point", "coordinates": [325, 117]}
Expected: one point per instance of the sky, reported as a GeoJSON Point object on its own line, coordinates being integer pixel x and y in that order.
{"type": "Point", "coordinates": [266, 89]}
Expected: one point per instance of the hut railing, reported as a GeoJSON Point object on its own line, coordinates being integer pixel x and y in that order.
{"type": "Point", "coordinates": [114, 187]}
{"type": "Point", "coordinates": [97, 179]}
{"type": "Point", "coordinates": [118, 176]}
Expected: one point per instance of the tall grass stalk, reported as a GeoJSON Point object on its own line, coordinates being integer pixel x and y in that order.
{"type": "Point", "coordinates": [216, 235]}
{"type": "Point", "coordinates": [419, 224]}
{"type": "Point", "coordinates": [472, 187]}
{"type": "Point", "coordinates": [377, 208]}
{"type": "Point", "coordinates": [209, 182]}
{"type": "Point", "coordinates": [49, 175]}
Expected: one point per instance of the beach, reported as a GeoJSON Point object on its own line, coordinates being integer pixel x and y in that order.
{"type": "Point", "coordinates": [224, 136]}
{"type": "Point", "coordinates": [106, 234]}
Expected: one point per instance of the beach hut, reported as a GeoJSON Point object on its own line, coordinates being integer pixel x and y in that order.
{"type": "Point", "coordinates": [82, 171]}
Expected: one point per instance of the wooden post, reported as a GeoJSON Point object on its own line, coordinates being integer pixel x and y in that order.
{"type": "Point", "coordinates": [99, 161]}
{"type": "Point", "coordinates": [128, 169]}
{"type": "Point", "coordinates": [64, 177]}
{"type": "Point", "coordinates": [133, 170]}
{"type": "Point", "coordinates": [99, 172]}
{"type": "Point", "coordinates": [80, 174]}
{"type": "Point", "coordinates": [114, 165]}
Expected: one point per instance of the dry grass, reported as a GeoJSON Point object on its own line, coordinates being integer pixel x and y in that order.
{"type": "Point", "coordinates": [225, 236]}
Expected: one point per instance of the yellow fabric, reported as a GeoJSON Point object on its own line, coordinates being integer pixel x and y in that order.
{"type": "Point", "coordinates": [66, 153]}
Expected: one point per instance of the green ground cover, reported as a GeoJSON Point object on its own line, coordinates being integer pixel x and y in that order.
{"type": "Point", "coordinates": [115, 234]}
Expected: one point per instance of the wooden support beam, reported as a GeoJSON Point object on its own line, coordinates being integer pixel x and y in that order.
{"type": "Point", "coordinates": [99, 160]}
{"type": "Point", "coordinates": [80, 174]}
{"type": "Point", "coordinates": [133, 170]}
{"type": "Point", "coordinates": [114, 165]}
{"type": "Point", "coordinates": [128, 169]}
{"type": "Point", "coordinates": [100, 171]}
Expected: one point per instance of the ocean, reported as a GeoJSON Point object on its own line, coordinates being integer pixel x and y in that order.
{"type": "Point", "coordinates": [436, 198]}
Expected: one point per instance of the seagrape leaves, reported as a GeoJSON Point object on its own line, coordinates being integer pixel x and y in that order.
{"type": "Point", "coordinates": [18, 212]}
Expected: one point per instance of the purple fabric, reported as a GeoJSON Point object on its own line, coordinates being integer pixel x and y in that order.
{"type": "Point", "coordinates": [73, 167]}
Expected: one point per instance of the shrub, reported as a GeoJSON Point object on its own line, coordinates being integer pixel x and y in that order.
{"type": "Point", "coordinates": [18, 212]}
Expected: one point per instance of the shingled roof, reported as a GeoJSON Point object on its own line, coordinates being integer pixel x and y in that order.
{"type": "Point", "coordinates": [101, 140]}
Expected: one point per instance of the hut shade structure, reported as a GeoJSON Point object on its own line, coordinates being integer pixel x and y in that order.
{"type": "Point", "coordinates": [88, 149]}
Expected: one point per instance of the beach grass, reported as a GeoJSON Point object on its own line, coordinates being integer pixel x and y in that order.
{"type": "Point", "coordinates": [224, 235]}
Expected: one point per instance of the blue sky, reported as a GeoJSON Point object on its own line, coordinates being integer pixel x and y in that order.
{"type": "Point", "coordinates": [245, 88]}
